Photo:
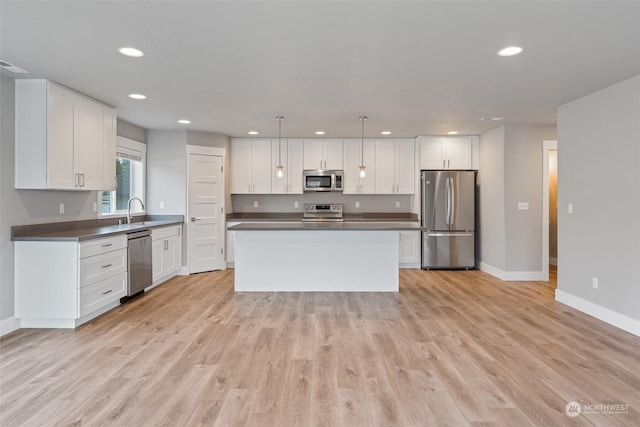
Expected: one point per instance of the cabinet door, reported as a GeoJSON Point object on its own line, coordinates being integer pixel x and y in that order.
{"type": "Point", "coordinates": [170, 255]}
{"type": "Point", "coordinates": [231, 245]}
{"type": "Point", "coordinates": [241, 166]}
{"type": "Point", "coordinates": [410, 248]}
{"type": "Point", "coordinates": [352, 184]}
{"type": "Point", "coordinates": [405, 166]}
{"type": "Point", "coordinates": [295, 162]}
{"type": "Point", "coordinates": [261, 166]}
{"type": "Point", "coordinates": [385, 166]}
{"type": "Point", "coordinates": [157, 258]}
{"type": "Point", "coordinates": [333, 154]}
{"type": "Point", "coordinates": [313, 154]}
{"type": "Point", "coordinates": [432, 153]}
{"type": "Point", "coordinates": [458, 152]}
{"type": "Point", "coordinates": [60, 163]}
{"type": "Point", "coordinates": [88, 141]}
{"type": "Point", "coordinates": [108, 149]}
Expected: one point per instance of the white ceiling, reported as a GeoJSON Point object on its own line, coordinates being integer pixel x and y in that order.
{"type": "Point", "coordinates": [415, 68]}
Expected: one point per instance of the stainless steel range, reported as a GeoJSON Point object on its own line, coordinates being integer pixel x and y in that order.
{"type": "Point", "coordinates": [313, 212]}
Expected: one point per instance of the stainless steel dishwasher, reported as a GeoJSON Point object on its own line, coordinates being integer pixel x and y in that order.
{"type": "Point", "coordinates": [139, 263]}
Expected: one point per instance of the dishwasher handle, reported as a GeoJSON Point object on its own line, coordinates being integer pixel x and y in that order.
{"type": "Point", "coordinates": [138, 234]}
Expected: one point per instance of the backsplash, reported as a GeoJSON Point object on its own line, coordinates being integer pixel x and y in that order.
{"type": "Point", "coordinates": [286, 202]}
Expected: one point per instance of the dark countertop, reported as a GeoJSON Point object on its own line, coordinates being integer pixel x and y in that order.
{"type": "Point", "coordinates": [294, 217]}
{"type": "Point", "coordinates": [333, 226]}
{"type": "Point", "coordinates": [90, 229]}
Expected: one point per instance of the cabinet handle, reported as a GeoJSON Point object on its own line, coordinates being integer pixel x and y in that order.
{"type": "Point", "coordinates": [444, 165]}
{"type": "Point", "coordinates": [82, 175]}
{"type": "Point", "coordinates": [108, 292]}
{"type": "Point", "coordinates": [448, 163]}
{"type": "Point", "coordinates": [107, 245]}
{"type": "Point", "coordinates": [166, 245]}
{"type": "Point", "coordinates": [107, 266]}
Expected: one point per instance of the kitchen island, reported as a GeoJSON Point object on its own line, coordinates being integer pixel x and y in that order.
{"type": "Point", "coordinates": [318, 256]}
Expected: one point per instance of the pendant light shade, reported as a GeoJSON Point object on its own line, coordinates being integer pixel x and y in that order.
{"type": "Point", "coordinates": [362, 167]}
{"type": "Point", "coordinates": [279, 168]}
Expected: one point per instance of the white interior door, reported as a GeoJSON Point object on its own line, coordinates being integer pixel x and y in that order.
{"type": "Point", "coordinates": [206, 219]}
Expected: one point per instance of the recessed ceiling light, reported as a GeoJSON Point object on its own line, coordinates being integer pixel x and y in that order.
{"type": "Point", "coordinates": [510, 51]}
{"type": "Point", "coordinates": [319, 132]}
{"type": "Point", "coordinates": [137, 96]}
{"type": "Point", "coordinates": [452, 132]}
{"type": "Point", "coordinates": [131, 51]}
{"type": "Point", "coordinates": [385, 132]}
{"type": "Point", "coordinates": [252, 132]}
{"type": "Point", "coordinates": [184, 121]}
{"type": "Point", "coordinates": [492, 119]}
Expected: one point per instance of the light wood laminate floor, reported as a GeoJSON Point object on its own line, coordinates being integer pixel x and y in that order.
{"type": "Point", "coordinates": [450, 349]}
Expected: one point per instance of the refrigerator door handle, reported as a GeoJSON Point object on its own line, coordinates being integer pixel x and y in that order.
{"type": "Point", "coordinates": [452, 194]}
{"type": "Point", "coordinates": [448, 234]}
{"type": "Point", "coordinates": [446, 184]}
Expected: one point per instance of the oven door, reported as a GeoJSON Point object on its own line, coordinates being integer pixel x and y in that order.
{"type": "Point", "coordinates": [316, 181]}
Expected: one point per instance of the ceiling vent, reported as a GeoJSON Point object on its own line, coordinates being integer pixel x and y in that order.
{"type": "Point", "coordinates": [10, 67]}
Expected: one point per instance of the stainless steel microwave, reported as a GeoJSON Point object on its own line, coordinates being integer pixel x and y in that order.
{"type": "Point", "coordinates": [322, 180]}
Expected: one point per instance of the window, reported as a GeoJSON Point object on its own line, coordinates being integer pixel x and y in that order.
{"type": "Point", "coordinates": [130, 178]}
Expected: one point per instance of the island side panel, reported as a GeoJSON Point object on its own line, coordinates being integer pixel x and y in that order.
{"type": "Point", "coordinates": [317, 260]}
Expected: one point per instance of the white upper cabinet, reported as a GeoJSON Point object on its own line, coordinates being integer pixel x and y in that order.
{"type": "Point", "coordinates": [88, 144]}
{"type": "Point", "coordinates": [394, 166]}
{"type": "Point", "coordinates": [323, 154]}
{"type": "Point", "coordinates": [290, 157]}
{"type": "Point", "coordinates": [59, 138]}
{"type": "Point", "coordinates": [354, 157]}
{"type": "Point", "coordinates": [109, 123]}
{"type": "Point", "coordinates": [447, 152]}
{"type": "Point", "coordinates": [251, 166]}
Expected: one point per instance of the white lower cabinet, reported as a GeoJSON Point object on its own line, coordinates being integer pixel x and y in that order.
{"type": "Point", "coordinates": [73, 282]}
{"type": "Point", "coordinates": [166, 251]}
{"type": "Point", "coordinates": [230, 251]}
{"type": "Point", "coordinates": [409, 249]}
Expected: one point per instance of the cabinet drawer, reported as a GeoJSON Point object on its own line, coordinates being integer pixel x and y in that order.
{"type": "Point", "coordinates": [101, 246]}
{"type": "Point", "coordinates": [102, 293]}
{"type": "Point", "coordinates": [99, 267]}
{"type": "Point", "coordinates": [164, 232]}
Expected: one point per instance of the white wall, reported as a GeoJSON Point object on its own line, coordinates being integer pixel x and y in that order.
{"type": "Point", "coordinates": [23, 207]}
{"type": "Point", "coordinates": [599, 173]}
{"type": "Point", "coordinates": [510, 163]}
{"type": "Point", "coordinates": [490, 205]}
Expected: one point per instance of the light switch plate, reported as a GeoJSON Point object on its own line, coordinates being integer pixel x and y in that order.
{"type": "Point", "coordinates": [397, 204]}
{"type": "Point", "coordinates": [296, 204]}
{"type": "Point", "coordinates": [523, 206]}
{"type": "Point", "coordinates": [570, 208]}
{"type": "Point", "coordinates": [255, 203]}
{"type": "Point", "coordinates": [61, 208]}
{"type": "Point", "coordinates": [357, 205]}
{"type": "Point", "coordinates": [161, 205]}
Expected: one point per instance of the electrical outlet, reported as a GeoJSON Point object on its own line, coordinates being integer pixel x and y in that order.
{"type": "Point", "coordinates": [255, 203]}
{"type": "Point", "coordinates": [161, 205]}
{"type": "Point", "coordinates": [95, 207]}
{"type": "Point", "coordinates": [594, 282]}
{"type": "Point", "coordinates": [357, 205]}
{"type": "Point", "coordinates": [296, 204]}
{"type": "Point", "coordinates": [570, 208]}
{"type": "Point", "coordinates": [397, 204]}
{"type": "Point", "coordinates": [61, 208]}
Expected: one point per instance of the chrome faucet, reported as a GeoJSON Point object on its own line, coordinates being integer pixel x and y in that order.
{"type": "Point", "coordinates": [129, 216]}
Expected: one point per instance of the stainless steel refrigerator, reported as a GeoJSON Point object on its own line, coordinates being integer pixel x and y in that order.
{"type": "Point", "coordinates": [448, 219]}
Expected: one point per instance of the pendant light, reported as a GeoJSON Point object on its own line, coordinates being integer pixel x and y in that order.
{"type": "Point", "coordinates": [279, 168]}
{"type": "Point", "coordinates": [362, 172]}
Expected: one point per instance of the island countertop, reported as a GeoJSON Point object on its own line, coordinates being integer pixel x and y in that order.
{"type": "Point", "coordinates": [328, 225]}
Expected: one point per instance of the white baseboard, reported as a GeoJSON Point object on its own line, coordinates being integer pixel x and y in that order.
{"type": "Point", "coordinates": [9, 325]}
{"type": "Point", "coordinates": [611, 317]}
{"type": "Point", "coordinates": [553, 261]}
{"type": "Point", "coordinates": [184, 271]}
{"type": "Point", "coordinates": [511, 276]}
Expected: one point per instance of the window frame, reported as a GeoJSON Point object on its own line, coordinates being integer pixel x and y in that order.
{"type": "Point", "coordinates": [131, 148]}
